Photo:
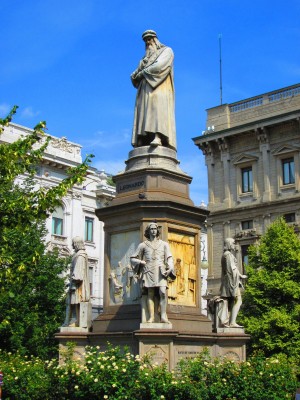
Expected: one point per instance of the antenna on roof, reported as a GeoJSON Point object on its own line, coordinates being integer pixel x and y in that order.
{"type": "Point", "coordinates": [220, 53]}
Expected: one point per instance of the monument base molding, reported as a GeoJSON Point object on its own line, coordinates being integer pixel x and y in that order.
{"type": "Point", "coordinates": [162, 345]}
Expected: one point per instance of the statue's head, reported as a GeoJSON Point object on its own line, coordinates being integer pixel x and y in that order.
{"type": "Point", "coordinates": [229, 244]}
{"type": "Point", "coordinates": [148, 229]}
{"type": "Point", "coordinates": [149, 34]}
{"type": "Point", "coordinates": [78, 243]}
{"type": "Point", "coordinates": [151, 41]}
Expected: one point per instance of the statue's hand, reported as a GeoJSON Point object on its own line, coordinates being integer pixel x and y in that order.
{"type": "Point", "coordinates": [244, 276]}
{"type": "Point", "coordinates": [142, 263]}
{"type": "Point", "coordinates": [136, 78]}
{"type": "Point", "coordinates": [139, 76]}
{"type": "Point", "coordinates": [168, 272]}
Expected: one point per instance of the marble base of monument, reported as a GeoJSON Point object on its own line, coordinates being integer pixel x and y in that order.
{"type": "Point", "coordinates": [73, 329]}
{"type": "Point", "coordinates": [154, 188]}
{"type": "Point", "coordinates": [162, 345]}
{"type": "Point", "coordinates": [156, 325]}
{"type": "Point", "coordinates": [230, 330]}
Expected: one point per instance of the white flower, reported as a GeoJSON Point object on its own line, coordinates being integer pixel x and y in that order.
{"type": "Point", "coordinates": [76, 387]}
{"type": "Point", "coordinates": [275, 361]}
{"type": "Point", "coordinates": [96, 380]}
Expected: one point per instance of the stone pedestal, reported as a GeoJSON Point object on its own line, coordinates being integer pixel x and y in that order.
{"type": "Point", "coordinates": [154, 188]}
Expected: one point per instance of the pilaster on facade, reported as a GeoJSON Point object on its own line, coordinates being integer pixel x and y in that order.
{"type": "Point", "coordinates": [266, 221]}
{"type": "Point", "coordinates": [225, 159]}
{"type": "Point", "coordinates": [227, 231]}
{"type": "Point", "coordinates": [208, 152]}
{"type": "Point", "coordinates": [264, 147]}
{"type": "Point", "coordinates": [210, 238]}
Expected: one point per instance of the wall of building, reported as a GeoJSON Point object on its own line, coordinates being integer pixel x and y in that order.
{"type": "Point", "coordinates": [260, 137]}
{"type": "Point", "coordinates": [80, 203]}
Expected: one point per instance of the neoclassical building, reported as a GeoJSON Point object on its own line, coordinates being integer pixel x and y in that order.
{"type": "Point", "coordinates": [76, 215]}
{"type": "Point", "coordinates": [252, 153]}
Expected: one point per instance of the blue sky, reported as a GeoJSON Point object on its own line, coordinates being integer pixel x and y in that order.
{"type": "Point", "coordinates": [69, 63]}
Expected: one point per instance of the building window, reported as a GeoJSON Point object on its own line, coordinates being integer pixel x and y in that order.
{"type": "Point", "coordinates": [57, 221]}
{"type": "Point", "coordinates": [289, 218]}
{"type": "Point", "coordinates": [247, 225]}
{"type": "Point", "coordinates": [288, 171]}
{"type": "Point", "coordinates": [89, 228]}
{"type": "Point", "coordinates": [247, 180]}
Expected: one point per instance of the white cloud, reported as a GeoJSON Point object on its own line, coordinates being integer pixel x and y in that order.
{"type": "Point", "coordinates": [4, 109]}
{"type": "Point", "coordinates": [28, 112]}
{"type": "Point", "coordinates": [110, 166]}
{"type": "Point", "coordinates": [107, 140]}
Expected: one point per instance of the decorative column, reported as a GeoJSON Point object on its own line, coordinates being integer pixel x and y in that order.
{"type": "Point", "coordinates": [207, 151]}
{"type": "Point", "coordinates": [227, 233]}
{"type": "Point", "coordinates": [225, 158]}
{"type": "Point", "coordinates": [266, 222]}
{"type": "Point", "coordinates": [210, 253]}
{"type": "Point", "coordinates": [264, 147]}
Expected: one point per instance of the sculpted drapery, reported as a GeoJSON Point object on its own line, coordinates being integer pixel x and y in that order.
{"type": "Point", "coordinates": [157, 255]}
{"type": "Point", "coordinates": [155, 103]}
{"type": "Point", "coordinates": [80, 278]}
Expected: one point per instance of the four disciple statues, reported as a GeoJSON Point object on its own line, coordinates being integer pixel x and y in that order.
{"type": "Point", "coordinates": [231, 284]}
{"type": "Point", "coordinates": [154, 263]}
{"type": "Point", "coordinates": [79, 287]}
{"type": "Point", "coordinates": [154, 120]}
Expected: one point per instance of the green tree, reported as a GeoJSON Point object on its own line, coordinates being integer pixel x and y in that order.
{"type": "Point", "coordinates": [31, 286]}
{"type": "Point", "coordinates": [271, 311]}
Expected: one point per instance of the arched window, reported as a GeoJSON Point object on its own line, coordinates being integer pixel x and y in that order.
{"type": "Point", "coordinates": [58, 221]}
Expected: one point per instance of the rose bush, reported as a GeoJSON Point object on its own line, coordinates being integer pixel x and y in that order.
{"type": "Point", "coordinates": [116, 374]}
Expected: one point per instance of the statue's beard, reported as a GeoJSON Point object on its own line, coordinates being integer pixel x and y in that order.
{"type": "Point", "coordinates": [151, 49]}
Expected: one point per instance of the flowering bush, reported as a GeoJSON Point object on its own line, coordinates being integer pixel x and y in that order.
{"type": "Point", "coordinates": [116, 375]}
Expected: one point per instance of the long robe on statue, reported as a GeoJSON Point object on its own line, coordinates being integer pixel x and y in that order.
{"type": "Point", "coordinates": [230, 279]}
{"type": "Point", "coordinates": [155, 100]}
{"type": "Point", "coordinates": [80, 278]}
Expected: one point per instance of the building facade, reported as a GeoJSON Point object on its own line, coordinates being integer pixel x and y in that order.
{"type": "Point", "coordinates": [76, 215]}
{"type": "Point", "coordinates": [252, 153]}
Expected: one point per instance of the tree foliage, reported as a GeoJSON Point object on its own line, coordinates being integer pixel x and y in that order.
{"type": "Point", "coordinates": [271, 312]}
{"type": "Point", "coordinates": [31, 291]}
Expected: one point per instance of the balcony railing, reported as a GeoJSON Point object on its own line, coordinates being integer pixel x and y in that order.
{"type": "Point", "coordinates": [284, 94]}
{"type": "Point", "coordinates": [246, 104]}
{"type": "Point", "coordinates": [265, 99]}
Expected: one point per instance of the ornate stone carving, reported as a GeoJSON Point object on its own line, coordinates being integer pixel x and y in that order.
{"type": "Point", "coordinates": [62, 144]}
